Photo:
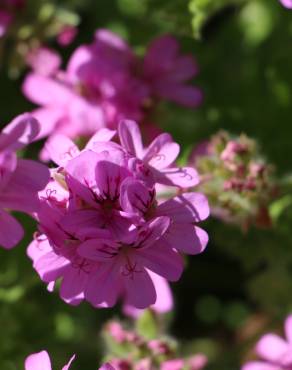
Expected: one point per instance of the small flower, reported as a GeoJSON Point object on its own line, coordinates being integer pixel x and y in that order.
{"type": "Point", "coordinates": [238, 182]}
{"type": "Point", "coordinates": [274, 351]}
{"type": "Point", "coordinates": [41, 361]}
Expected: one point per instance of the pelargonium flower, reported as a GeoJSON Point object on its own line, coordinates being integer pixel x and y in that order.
{"type": "Point", "coordinates": [286, 3]}
{"type": "Point", "coordinates": [105, 82]}
{"type": "Point", "coordinates": [20, 179]}
{"type": "Point", "coordinates": [41, 361]}
{"type": "Point", "coordinates": [101, 230]}
{"type": "Point", "coordinates": [236, 178]}
{"type": "Point", "coordinates": [275, 352]}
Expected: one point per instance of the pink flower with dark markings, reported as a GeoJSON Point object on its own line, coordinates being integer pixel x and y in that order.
{"type": "Point", "coordinates": [41, 361]}
{"type": "Point", "coordinates": [275, 352]}
{"type": "Point", "coordinates": [155, 163]}
{"type": "Point", "coordinates": [20, 179]}
{"type": "Point", "coordinates": [101, 230]}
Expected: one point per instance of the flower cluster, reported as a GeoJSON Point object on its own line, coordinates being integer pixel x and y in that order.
{"type": "Point", "coordinates": [101, 229]}
{"type": "Point", "coordinates": [275, 352]}
{"type": "Point", "coordinates": [105, 82]}
{"type": "Point", "coordinates": [146, 354]}
{"type": "Point", "coordinates": [20, 179]}
{"type": "Point", "coordinates": [237, 180]}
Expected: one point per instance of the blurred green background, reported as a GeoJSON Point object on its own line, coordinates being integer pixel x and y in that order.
{"type": "Point", "coordinates": [243, 282]}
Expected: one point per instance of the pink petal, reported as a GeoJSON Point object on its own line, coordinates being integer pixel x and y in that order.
{"type": "Point", "coordinates": [162, 260]}
{"type": "Point", "coordinates": [140, 282]}
{"type": "Point", "coordinates": [46, 91]}
{"type": "Point", "coordinates": [38, 248]}
{"type": "Point", "coordinates": [102, 135]}
{"type": "Point", "coordinates": [44, 61]}
{"type": "Point", "coordinates": [11, 231]}
{"type": "Point", "coordinates": [288, 328]}
{"type": "Point", "coordinates": [28, 178]}
{"type": "Point", "coordinates": [49, 118]}
{"type": "Point", "coordinates": [81, 171]}
{"type": "Point", "coordinates": [258, 365]}
{"type": "Point", "coordinates": [20, 132]}
{"type": "Point", "coordinates": [162, 152]}
{"type": "Point", "coordinates": [8, 163]}
{"type": "Point", "coordinates": [187, 238]}
{"type": "Point", "coordinates": [73, 285]}
{"type": "Point", "coordinates": [61, 149]}
{"type": "Point", "coordinates": [51, 267]}
{"type": "Point", "coordinates": [161, 52]}
{"type": "Point", "coordinates": [135, 197]}
{"type": "Point", "coordinates": [104, 285]}
{"type": "Point", "coordinates": [109, 177]}
{"type": "Point", "coordinates": [130, 137]}
{"type": "Point", "coordinates": [175, 364]}
{"type": "Point", "coordinates": [84, 223]}
{"type": "Point", "coordinates": [164, 301]}
{"type": "Point", "coordinates": [152, 231]}
{"type": "Point", "coordinates": [98, 250]}
{"type": "Point", "coordinates": [38, 361]}
{"type": "Point", "coordinates": [66, 367]}
{"type": "Point", "coordinates": [184, 177]}
{"type": "Point", "coordinates": [271, 348]}
{"type": "Point", "coordinates": [185, 68]}
{"type": "Point", "coordinates": [79, 57]}
{"type": "Point", "coordinates": [188, 207]}
{"type": "Point", "coordinates": [188, 96]}
{"type": "Point", "coordinates": [287, 3]}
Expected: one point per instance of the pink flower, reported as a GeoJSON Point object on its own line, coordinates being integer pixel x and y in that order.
{"type": "Point", "coordinates": [286, 3]}
{"type": "Point", "coordinates": [20, 179]}
{"type": "Point", "coordinates": [95, 90]}
{"type": "Point", "coordinates": [41, 361]}
{"type": "Point", "coordinates": [105, 82]}
{"type": "Point", "coordinates": [166, 71]}
{"type": "Point", "coordinates": [103, 233]}
{"type": "Point", "coordinates": [153, 163]}
{"type": "Point", "coordinates": [275, 352]}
